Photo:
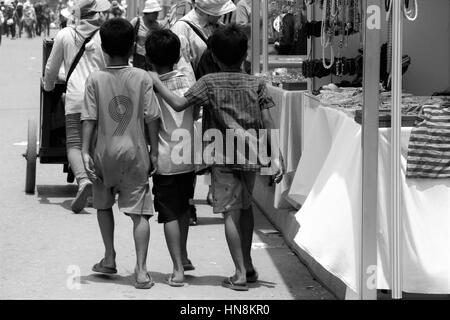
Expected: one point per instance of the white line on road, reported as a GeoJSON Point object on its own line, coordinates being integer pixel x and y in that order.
{"type": "Point", "coordinates": [22, 143]}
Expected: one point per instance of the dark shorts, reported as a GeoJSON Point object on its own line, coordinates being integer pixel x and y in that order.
{"type": "Point", "coordinates": [172, 194]}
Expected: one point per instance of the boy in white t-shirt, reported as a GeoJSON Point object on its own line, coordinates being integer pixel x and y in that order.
{"type": "Point", "coordinates": [173, 183]}
{"type": "Point", "coordinates": [121, 105]}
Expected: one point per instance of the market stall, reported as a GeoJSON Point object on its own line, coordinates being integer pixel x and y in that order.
{"type": "Point", "coordinates": [328, 185]}
{"type": "Point", "coordinates": [362, 224]}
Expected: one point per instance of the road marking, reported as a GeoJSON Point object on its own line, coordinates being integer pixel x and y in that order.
{"type": "Point", "coordinates": [22, 143]}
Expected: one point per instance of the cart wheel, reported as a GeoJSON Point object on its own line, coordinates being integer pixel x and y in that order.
{"type": "Point", "coordinates": [30, 155]}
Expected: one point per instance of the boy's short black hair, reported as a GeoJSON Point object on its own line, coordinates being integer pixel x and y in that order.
{"type": "Point", "coordinates": [117, 36]}
{"type": "Point", "coordinates": [229, 44]}
{"type": "Point", "coordinates": [162, 47]}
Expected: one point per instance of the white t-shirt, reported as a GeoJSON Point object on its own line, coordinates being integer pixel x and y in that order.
{"type": "Point", "coordinates": [171, 121]}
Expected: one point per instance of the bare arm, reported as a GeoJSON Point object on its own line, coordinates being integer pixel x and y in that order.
{"type": "Point", "coordinates": [153, 130]}
{"type": "Point", "coordinates": [277, 157]}
{"type": "Point", "coordinates": [53, 65]}
{"type": "Point", "coordinates": [87, 131]}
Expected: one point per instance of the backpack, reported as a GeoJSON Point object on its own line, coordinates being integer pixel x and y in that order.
{"type": "Point", "coordinates": [206, 63]}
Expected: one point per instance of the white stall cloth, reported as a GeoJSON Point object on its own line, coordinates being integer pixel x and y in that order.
{"type": "Point", "coordinates": [287, 116]}
{"type": "Point", "coordinates": [328, 184]}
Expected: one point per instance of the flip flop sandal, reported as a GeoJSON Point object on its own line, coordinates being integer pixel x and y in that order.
{"type": "Point", "coordinates": [173, 283]}
{"type": "Point", "coordinates": [145, 285]}
{"type": "Point", "coordinates": [228, 283]}
{"type": "Point", "coordinates": [100, 268]}
{"type": "Point", "coordinates": [252, 276]}
{"type": "Point", "coordinates": [188, 266]}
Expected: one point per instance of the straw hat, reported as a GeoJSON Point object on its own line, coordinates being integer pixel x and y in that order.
{"type": "Point", "coordinates": [151, 6]}
{"type": "Point", "coordinates": [215, 7]}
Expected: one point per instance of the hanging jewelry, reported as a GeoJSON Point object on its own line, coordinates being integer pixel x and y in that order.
{"type": "Point", "coordinates": [327, 32]}
{"type": "Point", "coordinates": [414, 11]}
{"type": "Point", "coordinates": [325, 65]}
{"type": "Point", "coordinates": [388, 4]}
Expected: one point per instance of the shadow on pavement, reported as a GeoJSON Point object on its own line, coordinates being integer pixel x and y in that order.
{"type": "Point", "coordinates": [57, 191]}
{"type": "Point", "coordinates": [103, 278]}
{"type": "Point", "coordinates": [210, 220]}
{"type": "Point", "coordinates": [45, 192]}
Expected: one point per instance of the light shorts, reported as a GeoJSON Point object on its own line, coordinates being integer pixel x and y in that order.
{"type": "Point", "coordinates": [231, 189]}
{"type": "Point", "coordinates": [131, 199]}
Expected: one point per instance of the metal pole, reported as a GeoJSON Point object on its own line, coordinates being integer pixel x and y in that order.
{"type": "Point", "coordinates": [311, 14]}
{"type": "Point", "coordinates": [256, 39]}
{"type": "Point", "coordinates": [265, 35]}
{"type": "Point", "coordinates": [396, 119]}
{"type": "Point", "coordinates": [371, 73]}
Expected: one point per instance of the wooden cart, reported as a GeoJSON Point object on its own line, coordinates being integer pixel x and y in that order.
{"type": "Point", "coordinates": [52, 130]}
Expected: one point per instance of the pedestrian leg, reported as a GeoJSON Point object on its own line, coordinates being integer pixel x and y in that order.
{"type": "Point", "coordinates": [105, 220]}
{"type": "Point", "coordinates": [13, 30]}
{"type": "Point", "coordinates": [73, 145]}
{"type": "Point", "coordinates": [183, 223]}
{"type": "Point", "coordinates": [173, 240]}
{"type": "Point", "coordinates": [233, 237]}
{"type": "Point", "coordinates": [141, 234]}
{"type": "Point", "coordinates": [246, 225]}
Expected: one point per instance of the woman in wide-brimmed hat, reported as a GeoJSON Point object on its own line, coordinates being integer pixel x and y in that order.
{"type": "Point", "coordinates": [67, 44]}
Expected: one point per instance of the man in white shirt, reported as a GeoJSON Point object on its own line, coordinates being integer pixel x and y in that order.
{"type": "Point", "coordinates": [204, 17]}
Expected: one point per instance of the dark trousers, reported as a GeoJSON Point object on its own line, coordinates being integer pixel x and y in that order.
{"type": "Point", "coordinates": [11, 29]}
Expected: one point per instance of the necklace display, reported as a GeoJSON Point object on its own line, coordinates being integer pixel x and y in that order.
{"type": "Point", "coordinates": [340, 19]}
{"type": "Point", "coordinates": [412, 14]}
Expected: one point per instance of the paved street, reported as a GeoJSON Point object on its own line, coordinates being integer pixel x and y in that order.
{"type": "Point", "coordinates": [46, 251]}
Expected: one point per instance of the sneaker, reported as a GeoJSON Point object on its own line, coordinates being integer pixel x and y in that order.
{"type": "Point", "coordinates": [84, 191]}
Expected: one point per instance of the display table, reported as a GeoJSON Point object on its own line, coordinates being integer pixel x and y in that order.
{"type": "Point", "coordinates": [288, 118]}
{"type": "Point", "coordinates": [328, 185]}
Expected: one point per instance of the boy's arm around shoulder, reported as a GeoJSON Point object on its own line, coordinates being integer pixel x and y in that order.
{"type": "Point", "coordinates": [176, 102]}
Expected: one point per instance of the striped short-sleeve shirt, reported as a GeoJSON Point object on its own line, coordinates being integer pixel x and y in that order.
{"type": "Point", "coordinates": [231, 100]}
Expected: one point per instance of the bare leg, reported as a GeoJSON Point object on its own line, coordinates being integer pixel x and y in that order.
{"type": "Point", "coordinates": [141, 234]}
{"type": "Point", "coordinates": [173, 240]}
{"type": "Point", "coordinates": [105, 220]}
{"type": "Point", "coordinates": [233, 236]}
{"type": "Point", "coordinates": [183, 223]}
{"type": "Point", "coordinates": [246, 223]}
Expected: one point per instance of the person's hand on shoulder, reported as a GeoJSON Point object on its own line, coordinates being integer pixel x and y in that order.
{"type": "Point", "coordinates": [154, 76]}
